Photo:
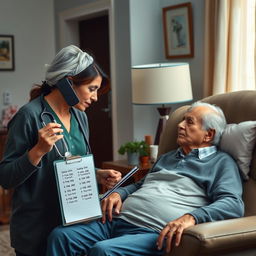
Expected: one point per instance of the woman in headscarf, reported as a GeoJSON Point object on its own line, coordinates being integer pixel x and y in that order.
{"type": "Point", "coordinates": [72, 83]}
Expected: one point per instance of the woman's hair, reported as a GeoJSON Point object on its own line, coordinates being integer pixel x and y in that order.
{"type": "Point", "coordinates": [214, 119]}
{"type": "Point", "coordinates": [70, 61]}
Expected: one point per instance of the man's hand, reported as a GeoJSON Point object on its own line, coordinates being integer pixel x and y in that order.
{"type": "Point", "coordinates": [112, 202]}
{"type": "Point", "coordinates": [175, 227]}
{"type": "Point", "coordinates": [108, 177]}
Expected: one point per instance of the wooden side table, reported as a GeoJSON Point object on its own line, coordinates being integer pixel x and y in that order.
{"type": "Point", "coordinates": [124, 168]}
{"type": "Point", "coordinates": [5, 195]}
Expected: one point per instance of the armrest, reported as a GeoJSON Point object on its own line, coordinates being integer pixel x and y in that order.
{"type": "Point", "coordinates": [218, 237]}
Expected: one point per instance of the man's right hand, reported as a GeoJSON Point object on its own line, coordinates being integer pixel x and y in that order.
{"type": "Point", "coordinates": [112, 204]}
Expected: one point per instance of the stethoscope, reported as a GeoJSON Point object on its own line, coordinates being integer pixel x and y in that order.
{"type": "Point", "coordinates": [67, 153]}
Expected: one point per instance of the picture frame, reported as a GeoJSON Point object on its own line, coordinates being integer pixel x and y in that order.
{"type": "Point", "coordinates": [178, 31]}
{"type": "Point", "coordinates": [6, 52]}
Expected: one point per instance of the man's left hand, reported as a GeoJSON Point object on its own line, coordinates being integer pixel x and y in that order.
{"type": "Point", "coordinates": [175, 227]}
{"type": "Point", "coordinates": [108, 177]}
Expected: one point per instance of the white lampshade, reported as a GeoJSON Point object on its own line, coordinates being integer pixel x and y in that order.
{"type": "Point", "coordinates": [161, 83]}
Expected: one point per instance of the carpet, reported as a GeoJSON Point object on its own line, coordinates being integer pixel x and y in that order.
{"type": "Point", "coordinates": [5, 248]}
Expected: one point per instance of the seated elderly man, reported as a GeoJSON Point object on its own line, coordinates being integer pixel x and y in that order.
{"type": "Point", "coordinates": [194, 184]}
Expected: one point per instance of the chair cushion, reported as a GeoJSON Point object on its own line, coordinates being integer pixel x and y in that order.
{"type": "Point", "coordinates": [238, 140]}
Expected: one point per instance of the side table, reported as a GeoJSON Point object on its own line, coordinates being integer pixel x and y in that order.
{"type": "Point", "coordinates": [5, 195]}
{"type": "Point", "coordinates": [124, 168]}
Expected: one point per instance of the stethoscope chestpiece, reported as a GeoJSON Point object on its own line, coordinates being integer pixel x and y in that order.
{"type": "Point", "coordinates": [67, 154]}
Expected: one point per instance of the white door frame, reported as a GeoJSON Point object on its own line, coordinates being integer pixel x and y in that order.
{"type": "Point", "coordinates": [69, 34]}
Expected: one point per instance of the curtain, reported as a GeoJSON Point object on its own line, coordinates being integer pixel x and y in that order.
{"type": "Point", "coordinates": [230, 51]}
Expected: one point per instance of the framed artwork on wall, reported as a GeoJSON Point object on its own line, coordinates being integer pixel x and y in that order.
{"type": "Point", "coordinates": [6, 53]}
{"type": "Point", "coordinates": [178, 31]}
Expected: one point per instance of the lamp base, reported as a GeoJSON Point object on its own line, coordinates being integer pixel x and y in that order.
{"type": "Point", "coordinates": [164, 115]}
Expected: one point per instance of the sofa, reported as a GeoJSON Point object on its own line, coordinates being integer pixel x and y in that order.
{"type": "Point", "coordinates": [226, 237]}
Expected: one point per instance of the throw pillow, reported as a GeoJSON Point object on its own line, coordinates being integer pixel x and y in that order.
{"type": "Point", "coordinates": [238, 140]}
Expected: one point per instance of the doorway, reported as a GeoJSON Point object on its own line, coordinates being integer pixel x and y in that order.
{"type": "Point", "coordinates": [94, 39]}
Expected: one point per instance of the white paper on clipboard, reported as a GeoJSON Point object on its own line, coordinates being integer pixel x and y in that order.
{"type": "Point", "coordinates": [124, 179]}
{"type": "Point", "coordinates": [77, 189]}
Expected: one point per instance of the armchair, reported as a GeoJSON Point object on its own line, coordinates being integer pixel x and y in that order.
{"type": "Point", "coordinates": [228, 237]}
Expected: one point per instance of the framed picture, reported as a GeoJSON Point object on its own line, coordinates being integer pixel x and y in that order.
{"type": "Point", "coordinates": [178, 31]}
{"type": "Point", "coordinates": [6, 52]}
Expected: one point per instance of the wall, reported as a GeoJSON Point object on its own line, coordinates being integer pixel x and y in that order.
{"type": "Point", "coordinates": [32, 24]}
{"type": "Point", "coordinates": [123, 72]}
{"type": "Point", "coordinates": [147, 46]}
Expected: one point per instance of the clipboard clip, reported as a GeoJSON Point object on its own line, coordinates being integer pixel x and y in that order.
{"type": "Point", "coordinates": [73, 159]}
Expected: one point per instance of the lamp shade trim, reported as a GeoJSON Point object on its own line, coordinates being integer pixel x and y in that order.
{"type": "Point", "coordinates": [158, 65]}
{"type": "Point", "coordinates": [162, 103]}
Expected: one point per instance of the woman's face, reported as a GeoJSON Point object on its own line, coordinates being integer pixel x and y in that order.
{"type": "Point", "coordinates": [87, 93]}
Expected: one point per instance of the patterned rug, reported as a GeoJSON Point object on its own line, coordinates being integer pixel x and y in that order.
{"type": "Point", "coordinates": [5, 249]}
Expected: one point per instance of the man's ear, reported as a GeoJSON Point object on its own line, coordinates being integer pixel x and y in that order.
{"type": "Point", "coordinates": [209, 136]}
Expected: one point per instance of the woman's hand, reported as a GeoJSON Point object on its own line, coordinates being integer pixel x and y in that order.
{"type": "Point", "coordinates": [47, 137]}
{"type": "Point", "coordinates": [108, 177]}
{"type": "Point", "coordinates": [174, 229]}
{"type": "Point", "coordinates": [112, 204]}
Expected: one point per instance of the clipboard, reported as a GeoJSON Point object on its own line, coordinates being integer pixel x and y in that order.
{"type": "Point", "coordinates": [77, 189]}
{"type": "Point", "coordinates": [118, 184]}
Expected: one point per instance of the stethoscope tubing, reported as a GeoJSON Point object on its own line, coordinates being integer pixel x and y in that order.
{"type": "Point", "coordinates": [45, 112]}
{"type": "Point", "coordinates": [67, 152]}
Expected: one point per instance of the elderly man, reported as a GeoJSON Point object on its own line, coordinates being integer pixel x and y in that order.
{"type": "Point", "coordinates": [194, 184]}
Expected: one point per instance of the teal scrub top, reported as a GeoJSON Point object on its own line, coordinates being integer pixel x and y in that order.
{"type": "Point", "coordinates": [74, 138]}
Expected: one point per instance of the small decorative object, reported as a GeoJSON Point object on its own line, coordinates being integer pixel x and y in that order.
{"type": "Point", "coordinates": [8, 114]}
{"type": "Point", "coordinates": [144, 153]}
{"type": "Point", "coordinates": [178, 31]}
{"type": "Point", "coordinates": [153, 153]}
{"type": "Point", "coordinates": [149, 140]}
{"type": "Point", "coordinates": [6, 53]}
{"type": "Point", "coordinates": [134, 150]}
{"type": "Point", "coordinates": [144, 158]}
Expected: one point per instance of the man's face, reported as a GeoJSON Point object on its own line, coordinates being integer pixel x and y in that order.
{"type": "Point", "coordinates": [190, 132]}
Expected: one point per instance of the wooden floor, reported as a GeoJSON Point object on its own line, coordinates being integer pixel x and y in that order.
{"type": "Point", "coordinates": [5, 248]}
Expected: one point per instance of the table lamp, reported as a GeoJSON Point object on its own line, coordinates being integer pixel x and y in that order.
{"type": "Point", "coordinates": [161, 84]}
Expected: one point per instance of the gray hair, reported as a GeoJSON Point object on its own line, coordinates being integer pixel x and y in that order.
{"type": "Point", "coordinates": [214, 119]}
{"type": "Point", "coordinates": [70, 61]}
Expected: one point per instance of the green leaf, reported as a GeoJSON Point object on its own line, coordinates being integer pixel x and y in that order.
{"type": "Point", "coordinates": [134, 146]}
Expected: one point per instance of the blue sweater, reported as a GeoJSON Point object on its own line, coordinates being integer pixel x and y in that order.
{"type": "Point", "coordinates": [217, 174]}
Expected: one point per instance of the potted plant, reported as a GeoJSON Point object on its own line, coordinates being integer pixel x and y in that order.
{"type": "Point", "coordinates": [144, 153]}
{"type": "Point", "coordinates": [134, 150]}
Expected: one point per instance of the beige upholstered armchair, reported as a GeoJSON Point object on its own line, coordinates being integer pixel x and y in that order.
{"type": "Point", "coordinates": [228, 237]}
